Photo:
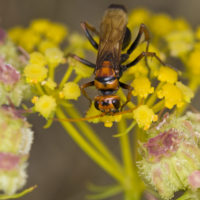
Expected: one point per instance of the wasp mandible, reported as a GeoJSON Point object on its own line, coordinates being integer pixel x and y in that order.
{"type": "Point", "coordinates": [114, 36]}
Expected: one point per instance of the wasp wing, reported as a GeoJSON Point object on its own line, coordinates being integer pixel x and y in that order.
{"type": "Point", "coordinates": [112, 31]}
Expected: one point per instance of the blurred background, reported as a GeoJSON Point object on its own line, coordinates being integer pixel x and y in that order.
{"type": "Point", "coordinates": [57, 165]}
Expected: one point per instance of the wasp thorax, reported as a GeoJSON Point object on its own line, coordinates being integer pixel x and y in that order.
{"type": "Point", "coordinates": [107, 103]}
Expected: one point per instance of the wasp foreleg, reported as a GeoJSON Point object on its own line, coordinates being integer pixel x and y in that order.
{"type": "Point", "coordinates": [85, 27]}
{"type": "Point", "coordinates": [143, 29]}
{"type": "Point", "coordinates": [81, 60]}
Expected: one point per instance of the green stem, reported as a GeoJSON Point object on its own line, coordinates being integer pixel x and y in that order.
{"type": "Point", "coordinates": [153, 97]}
{"type": "Point", "coordinates": [133, 187]}
{"type": "Point", "coordinates": [93, 138]}
{"type": "Point", "coordinates": [88, 149]}
{"type": "Point", "coordinates": [66, 76]}
{"type": "Point", "coordinates": [39, 89]}
{"type": "Point", "coordinates": [158, 106]}
{"type": "Point", "coordinates": [125, 147]}
{"type": "Point", "coordinates": [77, 79]}
{"type": "Point", "coordinates": [17, 195]}
{"type": "Point", "coordinates": [51, 72]}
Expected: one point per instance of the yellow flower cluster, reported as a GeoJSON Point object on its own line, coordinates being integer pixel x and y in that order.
{"type": "Point", "coordinates": [151, 96]}
{"type": "Point", "coordinates": [40, 35]}
{"type": "Point", "coordinates": [36, 70]}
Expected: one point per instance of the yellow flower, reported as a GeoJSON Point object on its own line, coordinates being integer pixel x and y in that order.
{"type": "Point", "coordinates": [40, 25]}
{"type": "Point", "coordinates": [172, 94]}
{"type": "Point", "coordinates": [138, 16]}
{"type": "Point", "coordinates": [50, 84]}
{"type": "Point", "coordinates": [29, 40]}
{"type": "Point", "coordinates": [193, 62]}
{"type": "Point", "coordinates": [16, 33]}
{"type": "Point", "coordinates": [71, 90]}
{"type": "Point", "coordinates": [76, 40]}
{"type": "Point", "coordinates": [35, 73]}
{"type": "Point", "coordinates": [93, 112]}
{"type": "Point", "coordinates": [142, 87]}
{"type": "Point", "coordinates": [45, 105]}
{"type": "Point", "coordinates": [139, 70]}
{"type": "Point", "coordinates": [197, 33]}
{"type": "Point", "coordinates": [56, 32]}
{"type": "Point", "coordinates": [144, 116]}
{"type": "Point", "coordinates": [188, 94]}
{"type": "Point", "coordinates": [46, 44]}
{"type": "Point", "coordinates": [167, 74]}
{"type": "Point", "coordinates": [54, 56]}
{"type": "Point", "coordinates": [161, 24]}
{"type": "Point", "coordinates": [180, 42]}
{"type": "Point", "coordinates": [108, 120]}
{"type": "Point", "coordinates": [37, 58]}
{"type": "Point", "coordinates": [34, 99]}
{"type": "Point", "coordinates": [180, 24]}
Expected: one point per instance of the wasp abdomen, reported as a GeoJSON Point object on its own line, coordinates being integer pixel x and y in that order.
{"type": "Point", "coordinates": [106, 78]}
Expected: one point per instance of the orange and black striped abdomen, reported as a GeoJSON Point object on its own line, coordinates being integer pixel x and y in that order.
{"type": "Point", "coordinates": [106, 79]}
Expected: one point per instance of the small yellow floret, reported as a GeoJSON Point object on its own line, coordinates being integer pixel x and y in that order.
{"type": "Point", "coordinates": [138, 16]}
{"type": "Point", "coordinates": [161, 24]}
{"type": "Point", "coordinates": [35, 73]}
{"type": "Point", "coordinates": [139, 70]}
{"type": "Point", "coordinates": [142, 87]}
{"type": "Point", "coordinates": [54, 56]}
{"type": "Point", "coordinates": [193, 62]}
{"type": "Point", "coordinates": [180, 42]}
{"type": "Point", "coordinates": [40, 25]}
{"type": "Point", "coordinates": [167, 74]}
{"type": "Point", "coordinates": [108, 120]}
{"type": "Point", "coordinates": [50, 84]}
{"type": "Point", "coordinates": [46, 44]}
{"type": "Point", "coordinates": [16, 33]}
{"type": "Point", "coordinates": [37, 58]}
{"type": "Point", "coordinates": [34, 99]}
{"type": "Point", "coordinates": [45, 105]}
{"type": "Point", "coordinates": [144, 116]}
{"type": "Point", "coordinates": [181, 24]}
{"type": "Point", "coordinates": [172, 94]}
{"type": "Point", "coordinates": [56, 32]}
{"type": "Point", "coordinates": [93, 112]}
{"type": "Point", "coordinates": [29, 40]}
{"type": "Point", "coordinates": [71, 90]}
{"type": "Point", "coordinates": [197, 34]}
{"type": "Point", "coordinates": [188, 94]}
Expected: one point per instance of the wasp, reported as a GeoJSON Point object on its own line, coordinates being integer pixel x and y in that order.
{"type": "Point", "coordinates": [114, 36]}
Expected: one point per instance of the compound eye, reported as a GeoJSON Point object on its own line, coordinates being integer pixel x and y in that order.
{"type": "Point", "coordinates": [116, 103]}
{"type": "Point", "coordinates": [96, 104]}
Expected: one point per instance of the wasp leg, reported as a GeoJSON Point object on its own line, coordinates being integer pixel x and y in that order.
{"type": "Point", "coordinates": [128, 97]}
{"type": "Point", "coordinates": [85, 27]}
{"type": "Point", "coordinates": [143, 29]}
{"type": "Point", "coordinates": [143, 54]}
{"type": "Point", "coordinates": [85, 85]}
{"type": "Point", "coordinates": [127, 38]}
{"type": "Point", "coordinates": [81, 60]}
